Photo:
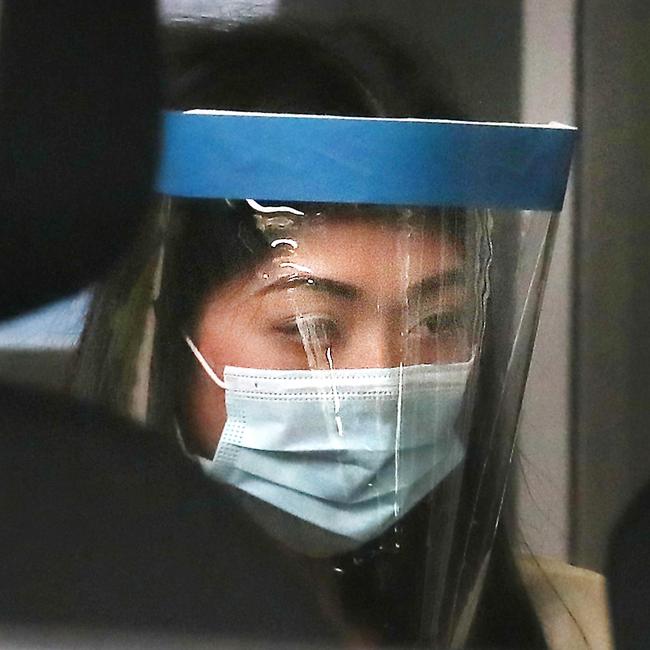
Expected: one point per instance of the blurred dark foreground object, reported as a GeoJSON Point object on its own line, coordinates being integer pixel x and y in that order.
{"type": "Point", "coordinates": [79, 96]}
{"type": "Point", "coordinates": [628, 576]}
{"type": "Point", "coordinates": [105, 525]}
{"type": "Point", "coordinates": [19, 638]}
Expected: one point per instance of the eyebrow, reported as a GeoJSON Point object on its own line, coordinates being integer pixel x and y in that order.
{"type": "Point", "coordinates": [433, 283]}
{"type": "Point", "coordinates": [314, 283]}
{"type": "Point", "coordinates": [347, 291]}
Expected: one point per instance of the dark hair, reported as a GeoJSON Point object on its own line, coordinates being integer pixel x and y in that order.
{"type": "Point", "coordinates": [350, 69]}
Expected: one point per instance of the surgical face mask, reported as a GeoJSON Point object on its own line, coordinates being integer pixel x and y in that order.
{"type": "Point", "coordinates": [349, 451]}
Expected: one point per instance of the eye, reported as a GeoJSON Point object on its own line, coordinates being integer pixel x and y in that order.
{"type": "Point", "coordinates": [439, 324]}
{"type": "Point", "coordinates": [300, 329]}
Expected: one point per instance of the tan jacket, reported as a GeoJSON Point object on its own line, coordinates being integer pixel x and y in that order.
{"type": "Point", "coordinates": [570, 602]}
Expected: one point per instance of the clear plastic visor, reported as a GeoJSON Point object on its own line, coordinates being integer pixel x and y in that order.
{"type": "Point", "coordinates": [355, 372]}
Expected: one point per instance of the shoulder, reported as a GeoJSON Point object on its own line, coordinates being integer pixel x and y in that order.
{"type": "Point", "coordinates": [571, 603]}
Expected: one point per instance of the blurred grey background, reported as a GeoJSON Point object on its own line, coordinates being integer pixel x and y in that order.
{"type": "Point", "coordinates": [584, 440]}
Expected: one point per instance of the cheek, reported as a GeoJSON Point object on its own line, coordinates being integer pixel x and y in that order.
{"type": "Point", "coordinates": [206, 415]}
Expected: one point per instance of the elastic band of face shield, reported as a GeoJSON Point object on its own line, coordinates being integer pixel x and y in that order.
{"type": "Point", "coordinates": [276, 158]}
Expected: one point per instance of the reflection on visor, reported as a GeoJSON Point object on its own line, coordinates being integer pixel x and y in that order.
{"type": "Point", "coordinates": [271, 210]}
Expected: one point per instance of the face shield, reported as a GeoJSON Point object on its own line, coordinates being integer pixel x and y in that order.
{"type": "Point", "coordinates": [336, 317]}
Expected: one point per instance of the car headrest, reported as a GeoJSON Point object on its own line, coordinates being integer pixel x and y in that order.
{"type": "Point", "coordinates": [79, 97]}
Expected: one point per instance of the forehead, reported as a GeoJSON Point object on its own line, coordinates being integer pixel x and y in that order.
{"type": "Point", "coordinates": [367, 251]}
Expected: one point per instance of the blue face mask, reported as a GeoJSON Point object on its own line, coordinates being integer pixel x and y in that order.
{"type": "Point", "coordinates": [349, 451]}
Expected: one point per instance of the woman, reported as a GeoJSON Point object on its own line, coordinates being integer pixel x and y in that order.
{"type": "Point", "coordinates": [254, 299]}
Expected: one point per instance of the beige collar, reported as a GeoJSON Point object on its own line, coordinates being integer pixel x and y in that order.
{"type": "Point", "coordinates": [571, 603]}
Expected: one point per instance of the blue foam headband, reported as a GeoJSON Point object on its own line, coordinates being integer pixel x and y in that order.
{"type": "Point", "coordinates": [269, 157]}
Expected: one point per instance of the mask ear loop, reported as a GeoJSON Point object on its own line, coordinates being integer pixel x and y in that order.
{"type": "Point", "coordinates": [204, 364]}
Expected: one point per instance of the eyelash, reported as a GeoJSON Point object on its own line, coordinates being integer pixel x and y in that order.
{"type": "Point", "coordinates": [442, 323]}
{"type": "Point", "coordinates": [325, 329]}
{"type": "Point", "coordinates": [328, 331]}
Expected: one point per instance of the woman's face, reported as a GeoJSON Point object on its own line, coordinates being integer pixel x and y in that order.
{"type": "Point", "coordinates": [343, 294]}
